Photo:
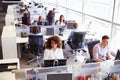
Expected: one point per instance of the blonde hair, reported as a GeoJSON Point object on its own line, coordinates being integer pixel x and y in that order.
{"type": "Point", "coordinates": [75, 25]}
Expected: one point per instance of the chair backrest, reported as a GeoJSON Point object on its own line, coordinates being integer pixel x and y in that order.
{"type": "Point", "coordinates": [36, 44]}
{"type": "Point", "coordinates": [78, 40]}
{"type": "Point", "coordinates": [90, 46]}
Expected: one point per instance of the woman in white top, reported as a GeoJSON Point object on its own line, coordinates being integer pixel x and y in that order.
{"type": "Point", "coordinates": [61, 21]}
{"type": "Point", "coordinates": [53, 49]}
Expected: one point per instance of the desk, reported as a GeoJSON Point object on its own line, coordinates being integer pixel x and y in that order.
{"type": "Point", "coordinates": [7, 76]}
{"type": "Point", "coordinates": [20, 40]}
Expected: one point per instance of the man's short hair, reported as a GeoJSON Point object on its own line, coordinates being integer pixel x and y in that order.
{"type": "Point", "coordinates": [105, 37]}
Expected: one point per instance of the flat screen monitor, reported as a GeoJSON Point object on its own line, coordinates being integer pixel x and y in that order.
{"type": "Point", "coordinates": [118, 55]}
{"type": "Point", "coordinates": [34, 29]}
{"type": "Point", "coordinates": [41, 72]}
{"type": "Point", "coordinates": [70, 25]}
{"type": "Point", "coordinates": [59, 76]}
{"type": "Point", "coordinates": [55, 62]}
{"type": "Point", "coordinates": [89, 68]}
{"type": "Point", "coordinates": [50, 31]}
{"type": "Point", "coordinates": [117, 62]}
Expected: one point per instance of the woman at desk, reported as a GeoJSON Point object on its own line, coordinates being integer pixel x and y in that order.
{"type": "Point", "coordinates": [61, 21]}
{"type": "Point", "coordinates": [53, 49]}
{"type": "Point", "coordinates": [36, 31]}
{"type": "Point", "coordinates": [39, 20]}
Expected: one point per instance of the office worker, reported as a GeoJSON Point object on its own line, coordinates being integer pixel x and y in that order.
{"type": "Point", "coordinates": [26, 17]}
{"type": "Point", "coordinates": [53, 48]}
{"type": "Point", "coordinates": [75, 25]}
{"type": "Point", "coordinates": [61, 20]}
{"type": "Point", "coordinates": [36, 31]}
{"type": "Point", "coordinates": [101, 50]}
{"type": "Point", "coordinates": [50, 17]}
{"type": "Point", "coordinates": [40, 20]}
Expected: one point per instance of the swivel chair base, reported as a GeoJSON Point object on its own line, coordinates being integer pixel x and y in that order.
{"type": "Point", "coordinates": [77, 52]}
{"type": "Point", "coordinates": [37, 59]}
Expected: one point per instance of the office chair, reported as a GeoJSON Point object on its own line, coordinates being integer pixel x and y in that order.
{"type": "Point", "coordinates": [50, 31]}
{"type": "Point", "coordinates": [90, 46]}
{"type": "Point", "coordinates": [77, 42]}
{"type": "Point", "coordinates": [36, 47]}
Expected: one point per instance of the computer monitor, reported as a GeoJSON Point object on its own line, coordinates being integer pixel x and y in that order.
{"type": "Point", "coordinates": [89, 68]}
{"type": "Point", "coordinates": [70, 24]}
{"type": "Point", "coordinates": [117, 62]}
{"type": "Point", "coordinates": [118, 55]}
{"type": "Point", "coordinates": [41, 73]}
{"type": "Point", "coordinates": [33, 28]}
{"type": "Point", "coordinates": [59, 76]}
{"type": "Point", "coordinates": [55, 62]}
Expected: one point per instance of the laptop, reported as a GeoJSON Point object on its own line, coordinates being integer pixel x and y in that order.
{"type": "Point", "coordinates": [55, 62]}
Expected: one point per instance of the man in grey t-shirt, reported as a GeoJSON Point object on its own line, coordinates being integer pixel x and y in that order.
{"type": "Point", "coordinates": [101, 50]}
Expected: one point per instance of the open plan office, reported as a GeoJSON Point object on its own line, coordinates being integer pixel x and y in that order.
{"type": "Point", "coordinates": [22, 58]}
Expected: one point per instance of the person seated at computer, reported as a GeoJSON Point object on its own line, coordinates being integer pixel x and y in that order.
{"type": "Point", "coordinates": [61, 21]}
{"type": "Point", "coordinates": [36, 31]}
{"type": "Point", "coordinates": [40, 20]}
{"type": "Point", "coordinates": [101, 50]}
{"type": "Point", "coordinates": [75, 26]}
{"type": "Point", "coordinates": [53, 48]}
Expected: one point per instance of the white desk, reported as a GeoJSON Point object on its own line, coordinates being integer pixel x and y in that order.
{"type": "Point", "coordinates": [7, 76]}
{"type": "Point", "coordinates": [12, 60]}
{"type": "Point", "coordinates": [21, 40]}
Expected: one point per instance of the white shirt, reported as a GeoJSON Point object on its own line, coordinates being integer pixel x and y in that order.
{"type": "Point", "coordinates": [62, 23]}
{"type": "Point", "coordinates": [100, 52]}
{"type": "Point", "coordinates": [50, 54]}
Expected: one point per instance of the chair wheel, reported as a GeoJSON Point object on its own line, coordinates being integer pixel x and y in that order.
{"type": "Point", "coordinates": [75, 60]}
{"type": "Point", "coordinates": [67, 57]}
{"type": "Point", "coordinates": [38, 65]}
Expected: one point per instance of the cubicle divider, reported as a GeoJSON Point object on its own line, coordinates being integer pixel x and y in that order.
{"type": "Point", "coordinates": [89, 70]}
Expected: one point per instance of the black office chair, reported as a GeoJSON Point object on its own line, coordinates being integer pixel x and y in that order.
{"type": "Point", "coordinates": [90, 46]}
{"type": "Point", "coordinates": [36, 47]}
{"type": "Point", "coordinates": [77, 42]}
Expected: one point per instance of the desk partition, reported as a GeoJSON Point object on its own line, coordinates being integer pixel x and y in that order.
{"type": "Point", "coordinates": [9, 46]}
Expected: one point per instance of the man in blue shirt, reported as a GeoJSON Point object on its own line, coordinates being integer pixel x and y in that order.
{"type": "Point", "coordinates": [75, 25]}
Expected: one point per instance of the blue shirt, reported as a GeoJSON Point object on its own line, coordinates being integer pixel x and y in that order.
{"type": "Point", "coordinates": [71, 34]}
